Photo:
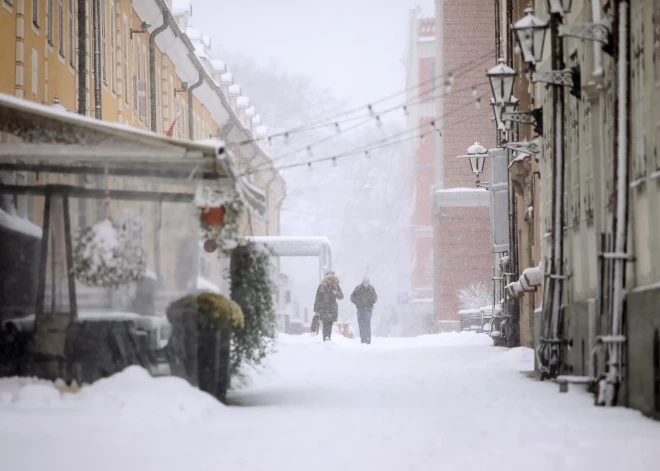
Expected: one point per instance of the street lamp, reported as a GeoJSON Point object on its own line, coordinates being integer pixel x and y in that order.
{"type": "Point", "coordinates": [530, 34]}
{"type": "Point", "coordinates": [476, 155]}
{"type": "Point", "coordinates": [559, 6]}
{"type": "Point", "coordinates": [501, 79]}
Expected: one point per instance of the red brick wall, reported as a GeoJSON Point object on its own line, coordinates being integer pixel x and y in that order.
{"type": "Point", "coordinates": [460, 237]}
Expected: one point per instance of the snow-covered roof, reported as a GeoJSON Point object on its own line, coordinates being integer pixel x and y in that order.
{"type": "Point", "coordinates": [193, 34]}
{"type": "Point", "coordinates": [16, 223]}
{"type": "Point", "coordinates": [250, 112]}
{"type": "Point", "coordinates": [200, 52]}
{"type": "Point", "coordinates": [262, 131]}
{"type": "Point", "coordinates": [243, 102]}
{"type": "Point", "coordinates": [227, 78]}
{"type": "Point", "coordinates": [256, 120]}
{"type": "Point", "coordinates": [235, 89]}
{"type": "Point", "coordinates": [292, 245]}
{"type": "Point", "coordinates": [50, 137]}
{"type": "Point", "coordinates": [180, 7]}
{"type": "Point", "coordinates": [218, 65]}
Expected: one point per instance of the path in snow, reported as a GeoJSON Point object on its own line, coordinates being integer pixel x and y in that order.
{"type": "Point", "coordinates": [449, 402]}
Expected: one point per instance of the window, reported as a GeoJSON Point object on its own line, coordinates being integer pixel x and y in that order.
{"type": "Point", "coordinates": [35, 71]}
{"type": "Point", "coordinates": [637, 93]}
{"type": "Point", "coordinates": [113, 52]}
{"type": "Point", "coordinates": [35, 13]}
{"type": "Point", "coordinates": [104, 51]}
{"type": "Point", "coordinates": [50, 17]}
{"type": "Point", "coordinates": [125, 52]}
{"type": "Point", "coordinates": [60, 27]}
{"type": "Point", "coordinates": [72, 32]}
{"type": "Point", "coordinates": [158, 100]}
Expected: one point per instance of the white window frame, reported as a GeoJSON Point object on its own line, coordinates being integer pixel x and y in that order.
{"type": "Point", "coordinates": [35, 72]}
{"type": "Point", "coordinates": [72, 34]}
{"type": "Point", "coordinates": [50, 21]}
{"type": "Point", "coordinates": [60, 28]}
{"type": "Point", "coordinates": [125, 89]}
{"type": "Point", "coordinates": [638, 93]}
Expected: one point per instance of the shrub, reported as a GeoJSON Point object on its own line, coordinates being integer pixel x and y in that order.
{"type": "Point", "coordinates": [214, 311]}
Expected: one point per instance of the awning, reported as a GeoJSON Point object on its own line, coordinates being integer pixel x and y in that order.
{"type": "Point", "coordinates": [46, 139]}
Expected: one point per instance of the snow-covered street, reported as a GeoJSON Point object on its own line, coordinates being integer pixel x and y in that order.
{"type": "Point", "coordinates": [448, 401]}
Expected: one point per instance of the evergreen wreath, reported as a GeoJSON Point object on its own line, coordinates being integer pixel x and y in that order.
{"type": "Point", "coordinates": [226, 236]}
{"type": "Point", "coordinates": [252, 290]}
{"type": "Point", "coordinates": [108, 254]}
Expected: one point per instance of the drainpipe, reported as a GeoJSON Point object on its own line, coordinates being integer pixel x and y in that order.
{"type": "Point", "coordinates": [615, 344]}
{"type": "Point", "coordinates": [191, 89]}
{"type": "Point", "coordinates": [152, 74]}
{"type": "Point", "coordinates": [82, 57]}
{"type": "Point", "coordinates": [96, 19]}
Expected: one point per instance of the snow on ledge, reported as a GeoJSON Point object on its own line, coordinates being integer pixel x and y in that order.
{"type": "Point", "coordinates": [18, 224]}
{"type": "Point", "coordinates": [204, 284]}
{"type": "Point", "coordinates": [462, 198]}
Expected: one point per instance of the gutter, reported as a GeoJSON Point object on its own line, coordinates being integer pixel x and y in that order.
{"type": "Point", "coordinates": [152, 74]}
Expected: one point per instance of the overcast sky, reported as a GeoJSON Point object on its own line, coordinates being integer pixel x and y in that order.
{"type": "Point", "coordinates": [353, 47]}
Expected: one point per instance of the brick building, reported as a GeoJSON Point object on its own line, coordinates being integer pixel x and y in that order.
{"type": "Point", "coordinates": [461, 219]}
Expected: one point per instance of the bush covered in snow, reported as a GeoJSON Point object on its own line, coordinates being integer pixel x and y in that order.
{"type": "Point", "coordinates": [214, 311]}
{"type": "Point", "coordinates": [252, 289]}
{"type": "Point", "coordinates": [476, 295]}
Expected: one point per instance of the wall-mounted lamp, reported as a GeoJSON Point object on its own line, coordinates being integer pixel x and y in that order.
{"type": "Point", "coordinates": [144, 28]}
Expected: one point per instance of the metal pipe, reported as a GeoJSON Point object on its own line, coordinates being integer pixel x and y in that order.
{"type": "Point", "coordinates": [96, 28]}
{"type": "Point", "coordinates": [82, 57]}
{"type": "Point", "coordinates": [152, 74]}
{"type": "Point", "coordinates": [191, 89]}
{"type": "Point", "coordinates": [620, 223]}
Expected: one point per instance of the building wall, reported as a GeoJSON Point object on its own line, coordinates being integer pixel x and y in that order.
{"type": "Point", "coordinates": [463, 123]}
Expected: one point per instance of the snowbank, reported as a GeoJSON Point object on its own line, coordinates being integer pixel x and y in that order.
{"type": "Point", "coordinates": [18, 224]}
{"type": "Point", "coordinates": [131, 396]}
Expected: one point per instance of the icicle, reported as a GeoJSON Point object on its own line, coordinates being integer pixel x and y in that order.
{"type": "Point", "coordinates": [452, 79]}
{"type": "Point", "coordinates": [371, 110]}
{"type": "Point", "coordinates": [309, 151]}
{"type": "Point", "coordinates": [478, 103]}
{"type": "Point", "coordinates": [379, 123]}
{"type": "Point", "coordinates": [337, 128]}
{"type": "Point", "coordinates": [475, 92]}
{"type": "Point", "coordinates": [405, 111]}
{"type": "Point", "coordinates": [334, 161]}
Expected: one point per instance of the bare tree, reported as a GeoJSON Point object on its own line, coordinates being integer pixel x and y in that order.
{"type": "Point", "coordinates": [476, 295]}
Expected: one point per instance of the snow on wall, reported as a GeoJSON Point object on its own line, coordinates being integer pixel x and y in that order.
{"type": "Point", "coordinates": [17, 224]}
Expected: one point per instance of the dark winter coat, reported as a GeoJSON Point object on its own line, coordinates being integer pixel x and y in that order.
{"type": "Point", "coordinates": [364, 297]}
{"type": "Point", "coordinates": [325, 304]}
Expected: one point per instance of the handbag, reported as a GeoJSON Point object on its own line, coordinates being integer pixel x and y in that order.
{"type": "Point", "coordinates": [315, 324]}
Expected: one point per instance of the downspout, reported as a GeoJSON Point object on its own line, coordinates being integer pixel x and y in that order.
{"type": "Point", "coordinates": [96, 19]}
{"type": "Point", "coordinates": [82, 57]}
{"type": "Point", "coordinates": [191, 88]}
{"type": "Point", "coordinates": [614, 373]}
{"type": "Point", "coordinates": [153, 104]}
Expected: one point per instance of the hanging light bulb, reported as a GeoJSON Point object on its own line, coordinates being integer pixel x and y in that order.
{"type": "Point", "coordinates": [366, 154]}
{"type": "Point", "coordinates": [270, 142]}
{"type": "Point", "coordinates": [379, 123]}
{"type": "Point", "coordinates": [423, 138]}
{"type": "Point", "coordinates": [432, 123]}
{"type": "Point", "coordinates": [405, 111]}
{"type": "Point", "coordinates": [334, 161]}
{"type": "Point", "coordinates": [309, 166]}
{"type": "Point", "coordinates": [451, 77]}
{"type": "Point", "coordinates": [286, 138]}
{"type": "Point", "coordinates": [371, 110]}
{"type": "Point", "coordinates": [447, 86]}
{"type": "Point", "coordinates": [475, 92]}
{"type": "Point", "coordinates": [478, 103]}
{"type": "Point", "coordinates": [309, 151]}
{"type": "Point", "coordinates": [337, 128]}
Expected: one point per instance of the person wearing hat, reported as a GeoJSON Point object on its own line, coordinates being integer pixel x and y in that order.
{"type": "Point", "coordinates": [364, 297]}
{"type": "Point", "coordinates": [325, 304]}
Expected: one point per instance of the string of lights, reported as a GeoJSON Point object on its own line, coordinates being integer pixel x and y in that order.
{"type": "Point", "coordinates": [336, 123]}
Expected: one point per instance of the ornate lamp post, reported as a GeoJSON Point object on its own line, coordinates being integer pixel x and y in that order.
{"type": "Point", "coordinates": [476, 155]}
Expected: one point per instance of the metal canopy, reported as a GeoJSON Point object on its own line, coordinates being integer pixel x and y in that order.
{"type": "Point", "coordinates": [47, 139]}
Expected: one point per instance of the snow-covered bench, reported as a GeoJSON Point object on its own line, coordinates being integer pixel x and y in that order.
{"type": "Point", "coordinates": [565, 380]}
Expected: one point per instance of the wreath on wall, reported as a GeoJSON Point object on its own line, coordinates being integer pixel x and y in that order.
{"type": "Point", "coordinates": [110, 253]}
{"type": "Point", "coordinates": [219, 213]}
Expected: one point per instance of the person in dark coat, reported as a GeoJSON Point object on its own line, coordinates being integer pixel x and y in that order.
{"type": "Point", "coordinates": [325, 304]}
{"type": "Point", "coordinates": [364, 297]}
